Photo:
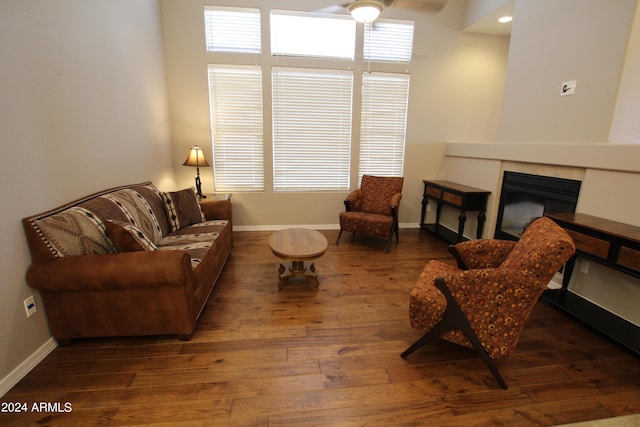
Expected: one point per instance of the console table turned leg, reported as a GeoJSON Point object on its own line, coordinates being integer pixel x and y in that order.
{"type": "Point", "coordinates": [481, 219]}
{"type": "Point", "coordinates": [423, 213]}
{"type": "Point", "coordinates": [461, 220]}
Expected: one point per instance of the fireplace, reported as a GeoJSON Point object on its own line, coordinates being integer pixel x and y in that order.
{"type": "Point", "coordinates": [525, 197]}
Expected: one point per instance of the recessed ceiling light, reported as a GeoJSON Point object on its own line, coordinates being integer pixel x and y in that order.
{"type": "Point", "coordinates": [505, 19]}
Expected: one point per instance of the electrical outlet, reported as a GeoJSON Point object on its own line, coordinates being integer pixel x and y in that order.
{"type": "Point", "coordinates": [428, 208]}
{"type": "Point", "coordinates": [30, 306]}
{"type": "Point", "coordinates": [584, 267]}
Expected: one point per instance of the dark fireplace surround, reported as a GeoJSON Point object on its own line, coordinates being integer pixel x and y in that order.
{"type": "Point", "coordinates": [525, 197]}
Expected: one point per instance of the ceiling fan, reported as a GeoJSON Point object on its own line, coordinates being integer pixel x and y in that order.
{"type": "Point", "coordinates": [369, 10]}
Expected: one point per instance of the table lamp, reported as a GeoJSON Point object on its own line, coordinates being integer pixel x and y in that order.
{"type": "Point", "coordinates": [196, 158]}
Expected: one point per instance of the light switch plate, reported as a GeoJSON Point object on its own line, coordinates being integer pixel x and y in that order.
{"type": "Point", "coordinates": [568, 88]}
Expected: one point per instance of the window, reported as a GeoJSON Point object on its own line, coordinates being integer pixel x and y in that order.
{"type": "Point", "coordinates": [232, 29]}
{"type": "Point", "coordinates": [383, 124]}
{"type": "Point", "coordinates": [312, 35]}
{"type": "Point", "coordinates": [386, 40]}
{"type": "Point", "coordinates": [312, 107]}
{"type": "Point", "coordinates": [311, 129]}
{"type": "Point", "coordinates": [235, 100]}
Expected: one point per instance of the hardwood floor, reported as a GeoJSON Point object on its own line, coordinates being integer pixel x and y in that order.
{"type": "Point", "coordinates": [329, 357]}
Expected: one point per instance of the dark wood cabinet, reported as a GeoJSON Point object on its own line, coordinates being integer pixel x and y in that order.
{"type": "Point", "coordinates": [461, 197]}
{"type": "Point", "coordinates": [609, 243]}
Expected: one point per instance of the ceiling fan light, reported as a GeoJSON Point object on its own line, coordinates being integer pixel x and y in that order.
{"type": "Point", "coordinates": [364, 10]}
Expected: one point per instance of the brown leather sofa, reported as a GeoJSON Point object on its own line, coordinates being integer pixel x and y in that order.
{"type": "Point", "coordinates": [128, 261]}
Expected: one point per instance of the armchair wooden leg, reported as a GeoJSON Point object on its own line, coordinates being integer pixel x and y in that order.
{"type": "Point", "coordinates": [437, 330]}
{"type": "Point", "coordinates": [454, 318]}
{"type": "Point", "coordinates": [395, 228]}
{"type": "Point", "coordinates": [339, 236]}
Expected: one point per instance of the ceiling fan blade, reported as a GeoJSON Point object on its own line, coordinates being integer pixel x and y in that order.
{"type": "Point", "coordinates": [331, 9]}
{"type": "Point", "coordinates": [428, 6]}
{"type": "Point", "coordinates": [334, 9]}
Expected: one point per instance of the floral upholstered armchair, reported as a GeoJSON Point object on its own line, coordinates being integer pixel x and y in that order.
{"type": "Point", "coordinates": [373, 208]}
{"type": "Point", "coordinates": [484, 303]}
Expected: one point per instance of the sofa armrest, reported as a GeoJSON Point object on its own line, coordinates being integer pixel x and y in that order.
{"type": "Point", "coordinates": [481, 253]}
{"type": "Point", "coordinates": [216, 209]}
{"type": "Point", "coordinates": [112, 271]}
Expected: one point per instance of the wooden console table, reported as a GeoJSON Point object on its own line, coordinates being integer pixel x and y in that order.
{"type": "Point", "coordinates": [459, 196]}
{"type": "Point", "coordinates": [613, 244]}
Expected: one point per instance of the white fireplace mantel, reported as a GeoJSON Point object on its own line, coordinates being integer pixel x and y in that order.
{"type": "Point", "coordinates": [613, 157]}
{"type": "Point", "coordinates": [610, 173]}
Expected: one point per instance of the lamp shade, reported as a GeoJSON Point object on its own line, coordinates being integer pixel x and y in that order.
{"type": "Point", "coordinates": [196, 158]}
{"type": "Point", "coordinates": [365, 10]}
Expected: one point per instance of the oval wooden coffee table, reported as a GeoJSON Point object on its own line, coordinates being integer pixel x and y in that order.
{"type": "Point", "coordinates": [298, 245]}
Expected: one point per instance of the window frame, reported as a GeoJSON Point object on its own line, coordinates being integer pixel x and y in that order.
{"type": "Point", "coordinates": [383, 123]}
{"type": "Point", "coordinates": [378, 38]}
{"type": "Point", "coordinates": [240, 151]}
{"type": "Point", "coordinates": [306, 149]}
{"type": "Point", "coordinates": [283, 38]}
{"type": "Point", "coordinates": [268, 61]}
{"type": "Point", "coordinates": [238, 30]}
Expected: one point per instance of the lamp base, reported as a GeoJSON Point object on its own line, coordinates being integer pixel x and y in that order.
{"type": "Point", "coordinates": [199, 188]}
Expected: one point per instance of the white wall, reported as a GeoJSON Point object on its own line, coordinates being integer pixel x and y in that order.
{"type": "Point", "coordinates": [475, 10]}
{"type": "Point", "coordinates": [456, 94]}
{"type": "Point", "coordinates": [555, 41]}
{"type": "Point", "coordinates": [83, 108]}
{"type": "Point", "coordinates": [625, 127]}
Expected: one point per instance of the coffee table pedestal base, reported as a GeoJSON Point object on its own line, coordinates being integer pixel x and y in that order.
{"type": "Point", "coordinates": [297, 245]}
{"type": "Point", "coordinates": [297, 272]}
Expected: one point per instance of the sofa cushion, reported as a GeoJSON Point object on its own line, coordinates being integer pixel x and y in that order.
{"type": "Point", "coordinates": [127, 237]}
{"type": "Point", "coordinates": [74, 231]}
{"type": "Point", "coordinates": [138, 211]}
{"type": "Point", "coordinates": [195, 239]}
{"type": "Point", "coordinates": [152, 195]}
{"type": "Point", "coordinates": [182, 208]}
{"type": "Point", "coordinates": [196, 251]}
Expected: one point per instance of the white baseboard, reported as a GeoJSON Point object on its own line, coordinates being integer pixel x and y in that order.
{"type": "Point", "coordinates": [310, 226]}
{"type": "Point", "coordinates": [25, 367]}
{"type": "Point", "coordinates": [408, 225]}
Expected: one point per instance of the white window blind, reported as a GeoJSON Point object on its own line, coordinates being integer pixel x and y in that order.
{"type": "Point", "coordinates": [387, 40]}
{"type": "Point", "coordinates": [235, 98]}
{"type": "Point", "coordinates": [383, 125]}
{"type": "Point", "coordinates": [232, 29]}
{"type": "Point", "coordinates": [311, 129]}
{"type": "Point", "coordinates": [312, 35]}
